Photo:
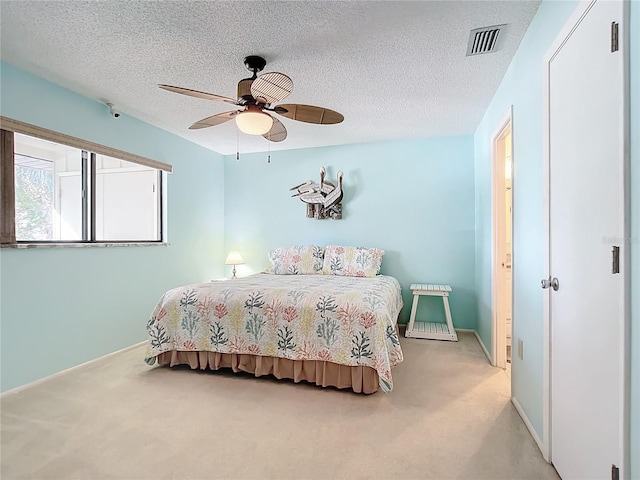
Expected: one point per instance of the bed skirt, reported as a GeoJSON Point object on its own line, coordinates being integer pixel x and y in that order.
{"type": "Point", "coordinates": [361, 379]}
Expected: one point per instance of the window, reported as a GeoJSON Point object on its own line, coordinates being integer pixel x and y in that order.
{"type": "Point", "coordinates": [66, 193]}
{"type": "Point", "coordinates": [34, 198]}
{"type": "Point", "coordinates": [127, 200]}
{"type": "Point", "coordinates": [48, 190]}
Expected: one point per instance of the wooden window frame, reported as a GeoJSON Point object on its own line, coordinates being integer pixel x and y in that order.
{"type": "Point", "coordinates": [7, 189]}
{"type": "Point", "coordinates": [10, 126]}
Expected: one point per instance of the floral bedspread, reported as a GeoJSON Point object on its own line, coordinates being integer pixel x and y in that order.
{"type": "Point", "coordinates": [345, 320]}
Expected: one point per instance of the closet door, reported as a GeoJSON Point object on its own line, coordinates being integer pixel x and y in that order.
{"type": "Point", "coordinates": [586, 222]}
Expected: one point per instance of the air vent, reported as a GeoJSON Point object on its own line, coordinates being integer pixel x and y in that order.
{"type": "Point", "coordinates": [485, 40]}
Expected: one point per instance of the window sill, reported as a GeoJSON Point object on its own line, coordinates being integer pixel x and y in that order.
{"type": "Point", "coordinates": [84, 244]}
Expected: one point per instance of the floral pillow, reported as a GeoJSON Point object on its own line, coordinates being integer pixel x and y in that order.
{"type": "Point", "coordinates": [352, 261]}
{"type": "Point", "coordinates": [297, 260]}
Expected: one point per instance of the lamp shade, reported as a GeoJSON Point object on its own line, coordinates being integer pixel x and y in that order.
{"type": "Point", "coordinates": [234, 258]}
{"type": "Point", "coordinates": [253, 121]}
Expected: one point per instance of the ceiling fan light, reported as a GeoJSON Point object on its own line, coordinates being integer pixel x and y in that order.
{"type": "Point", "coordinates": [254, 123]}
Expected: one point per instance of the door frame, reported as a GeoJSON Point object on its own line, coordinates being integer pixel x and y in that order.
{"type": "Point", "coordinates": [498, 328]}
{"type": "Point", "coordinates": [625, 355]}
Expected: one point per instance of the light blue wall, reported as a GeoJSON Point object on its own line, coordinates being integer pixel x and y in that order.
{"type": "Point", "coordinates": [412, 198]}
{"type": "Point", "coordinates": [62, 307]}
{"type": "Point", "coordinates": [522, 87]}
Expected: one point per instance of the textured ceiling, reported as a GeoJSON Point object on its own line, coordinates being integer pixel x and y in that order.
{"type": "Point", "coordinates": [394, 69]}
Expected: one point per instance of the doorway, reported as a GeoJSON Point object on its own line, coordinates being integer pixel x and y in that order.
{"type": "Point", "coordinates": [502, 215]}
{"type": "Point", "coordinates": [586, 282]}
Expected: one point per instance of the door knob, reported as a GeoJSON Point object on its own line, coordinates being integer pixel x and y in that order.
{"type": "Point", "coordinates": [550, 282]}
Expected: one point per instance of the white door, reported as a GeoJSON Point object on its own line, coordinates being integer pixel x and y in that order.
{"type": "Point", "coordinates": [502, 239]}
{"type": "Point", "coordinates": [586, 219]}
{"type": "Point", "coordinates": [508, 255]}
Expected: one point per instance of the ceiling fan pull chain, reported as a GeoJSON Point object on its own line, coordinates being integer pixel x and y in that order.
{"type": "Point", "coordinates": [269, 146]}
{"type": "Point", "coordinates": [237, 144]}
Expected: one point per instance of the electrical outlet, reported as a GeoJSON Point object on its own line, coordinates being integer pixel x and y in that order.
{"type": "Point", "coordinates": [520, 348]}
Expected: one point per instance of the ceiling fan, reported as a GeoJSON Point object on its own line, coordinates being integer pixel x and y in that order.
{"type": "Point", "coordinates": [257, 96]}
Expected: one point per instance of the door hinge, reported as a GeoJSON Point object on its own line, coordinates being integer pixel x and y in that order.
{"type": "Point", "coordinates": [615, 260]}
{"type": "Point", "coordinates": [614, 37]}
{"type": "Point", "coordinates": [615, 473]}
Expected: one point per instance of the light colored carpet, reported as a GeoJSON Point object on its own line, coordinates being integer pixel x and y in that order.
{"type": "Point", "coordinates": [449, 416]}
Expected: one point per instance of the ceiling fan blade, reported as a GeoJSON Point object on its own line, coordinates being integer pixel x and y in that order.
{"type": "Point", "coordinates": [277, 109]}
{"type": "Point", "coordinates": [311, 114]}
{"type": "Point", "coordinates": [272, 87]}
{"type": "Point", "coordinates": [277, 133]}
{"type": "Point", "coordinates": [198, 94]}
{"type": "Point", "coordinates": [214, 120]}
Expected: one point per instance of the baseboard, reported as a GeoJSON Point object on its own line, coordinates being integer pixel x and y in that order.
{"type": "Point", "coordinates": [63, 372]}
{"type": "Point", "coordinates": [468, 330]}
{"type": "Point", "coordinates": [484, 349]}
{"type": "Point", "coordinates": [528, 424]}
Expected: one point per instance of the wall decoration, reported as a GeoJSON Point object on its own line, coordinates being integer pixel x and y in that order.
{"type": "Point", "coordinates": [324, 199]}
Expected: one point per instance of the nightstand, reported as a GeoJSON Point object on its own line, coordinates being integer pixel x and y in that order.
{"type": "Point", "coordinates": [431, 330]}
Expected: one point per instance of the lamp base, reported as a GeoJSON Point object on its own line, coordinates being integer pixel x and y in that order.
{"type": "Point", "coordinates": [234, 272]}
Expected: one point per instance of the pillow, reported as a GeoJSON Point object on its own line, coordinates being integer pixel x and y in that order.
{"type": "Point", "coordinates": [352, 261]}
{"type": "Point", "coordinates": [296, 260]}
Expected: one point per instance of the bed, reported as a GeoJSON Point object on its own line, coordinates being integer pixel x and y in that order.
{"type": "Point", "coordinates": [332, 330]}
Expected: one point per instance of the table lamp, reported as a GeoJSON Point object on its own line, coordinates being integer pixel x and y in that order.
{"type": "Point", "coordinates": [234, 259]}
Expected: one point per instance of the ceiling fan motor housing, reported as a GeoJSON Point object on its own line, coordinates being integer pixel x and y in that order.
{"type": "Point", "coordinates": [244, 90]}
{"type": "Point", "coordinates": [255, 64]}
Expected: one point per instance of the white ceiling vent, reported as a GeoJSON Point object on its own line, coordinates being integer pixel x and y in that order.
{"type": "Point", "coordinates": [485, 40]}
